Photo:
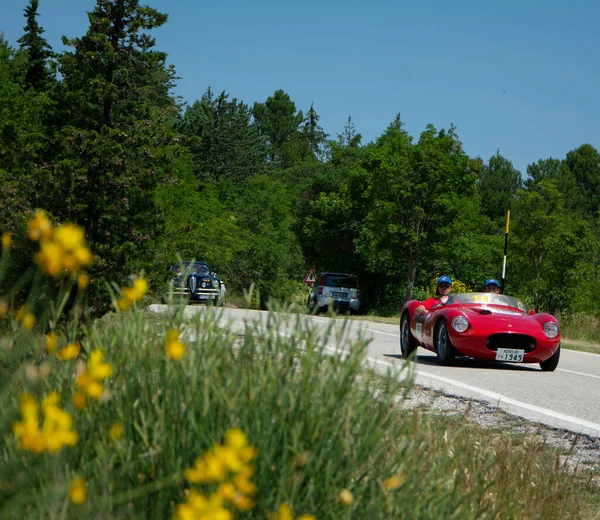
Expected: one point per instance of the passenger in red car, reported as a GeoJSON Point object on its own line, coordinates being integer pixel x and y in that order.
{"type": "Point", "coordinates": [443, 290]}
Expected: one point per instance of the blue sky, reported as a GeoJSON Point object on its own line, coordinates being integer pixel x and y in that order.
{"type": "Point", "coordinates": [519, 76]}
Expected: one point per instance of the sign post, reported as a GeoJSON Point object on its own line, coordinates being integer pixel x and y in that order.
{"type": "Point", "coordinates": [505, 249]}
{"type": "Point", "coordinates": [310, 277]}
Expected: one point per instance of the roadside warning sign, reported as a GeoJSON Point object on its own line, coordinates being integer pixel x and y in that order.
{"type": "Point", "coordinates": [310, 278]}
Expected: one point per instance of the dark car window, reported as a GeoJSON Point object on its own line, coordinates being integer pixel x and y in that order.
{"type": "Point", "coordinates": [200, 269]}
{"type": "Point", "coordinates": [340, 280]}
{"type": "Point", "coordinates": [195, 268]}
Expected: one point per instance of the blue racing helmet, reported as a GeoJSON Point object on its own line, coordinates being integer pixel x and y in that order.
{"type": "Point", "coordinates": [491, 281]}
{"type": "Point", "coordinates": [444, 279]}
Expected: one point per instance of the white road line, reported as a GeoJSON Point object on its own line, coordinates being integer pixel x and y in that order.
{"type": "Point", "coordinates": [581, 352]}
{"type": "Point", "coordinates": [577, 373]}
{"type": "Point", "coordinates": [499, 398]}
{"type": "Point", "coordinates": [384, 333]}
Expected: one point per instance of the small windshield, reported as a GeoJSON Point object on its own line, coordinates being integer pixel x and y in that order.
{"type": "Point", "coordinates": [347, 281]}
{"type": "Point", "coordinates": [195, 268]}
{"type": "Point", "coordinates": [489, 299]}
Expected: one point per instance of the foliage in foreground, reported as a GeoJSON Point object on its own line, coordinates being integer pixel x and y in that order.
{"type": "Point", "coordinates": [143, 415]}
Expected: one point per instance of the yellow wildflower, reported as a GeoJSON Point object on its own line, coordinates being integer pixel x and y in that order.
{"type": "Point", "coordinates": [236, 438]}
{"type": "Point", "coordinates": [6, 240]}
{"type": "Point", "coordinates": [70, 236]}
{"type": "Point", "coordinates": [56, 428]}
{"type": "Point", "coordinates": [284, 513]}
{"type": "Point", "coordinates": [97, 368]}
{"type": "Point", "coordinates": [138, 291]}
{"type": "Point", "coordinates": [123, 304]}
{"type": "Point", "coordinates": [244, 485]}
{"type": "Point", "coordinates": [61, 250]}
{"type": "Point", "coordinates": [77, 491]}
{"type": "Point", "coordinates": [242, 502]}
{"type": "Point", "coordinates": [345, 497]}
{"type": "Point", "coordinates": [198, 506]}
{"type": "Point", "coordinates": [57, 425]}
{"type": "Point", "coordinates": [50, 257]}
{"type": "Point", "coordinates": [25, 318]}
{"type": "Point", "coordinates": [69, 352]}
{"type": "Point", "coordinates": [395, 481]}
{"type": "Point", "coordinates": [39, 227]}
{"type": "Point", "coordinates": [175, 349]}
{"type": "Point", "coordinates": [83, 281]}
{"type": "Point", "coordinates": [116, 432]}
{"type": "Point", "coordinates": [129, 295]}
{"type": "Point", "coordinates": [51, 342]}
{"type": "Point", "coordinates": [78, 400]}
{"type": "Point", "coordinates": [27, 431]}
{"type": "Point", "coordinates": [90, 379]}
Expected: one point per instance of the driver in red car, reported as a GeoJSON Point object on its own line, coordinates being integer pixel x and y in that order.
{"type": "Point", "coordinates": [492, 286]}
{"type": "Point", "coordinates": [443, 290]}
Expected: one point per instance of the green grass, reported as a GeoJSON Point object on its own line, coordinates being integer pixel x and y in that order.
{"type": "Point", "coordinates": [321, 423]}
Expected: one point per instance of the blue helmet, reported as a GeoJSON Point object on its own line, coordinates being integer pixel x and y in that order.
{"type": "Point", "coordinates": [444, 279]}
{"type": "Point", "coordinates": [491, 281]}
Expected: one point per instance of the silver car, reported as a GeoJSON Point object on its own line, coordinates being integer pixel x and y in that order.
{"type": "Point", "coordinates": [336, 290]}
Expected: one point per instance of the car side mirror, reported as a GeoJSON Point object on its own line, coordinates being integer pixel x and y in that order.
{"type": "Point", "coordinates": [531, 312]}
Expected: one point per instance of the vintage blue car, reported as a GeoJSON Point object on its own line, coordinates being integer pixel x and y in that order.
{"type": "Point", "coordinates": [195, 281]}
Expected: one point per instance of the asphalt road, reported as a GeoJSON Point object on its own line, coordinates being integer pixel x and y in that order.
{"type": "Point", "coordinates": [567, 398]}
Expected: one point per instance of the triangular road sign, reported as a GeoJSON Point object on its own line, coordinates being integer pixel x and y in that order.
{"type": "Point", "coordinates": [310, 278]}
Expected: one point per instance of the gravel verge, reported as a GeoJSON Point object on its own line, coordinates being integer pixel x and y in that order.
{"type": "Point", "coordinates": [577, 450]}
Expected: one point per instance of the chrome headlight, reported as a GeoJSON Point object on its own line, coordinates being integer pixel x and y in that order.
{"type": "Point", "coordinates": [460, 324]}
{"type": "Point", "coordinates": [215, 284]}
{"type": "Point", "coordinates": [551, 329]}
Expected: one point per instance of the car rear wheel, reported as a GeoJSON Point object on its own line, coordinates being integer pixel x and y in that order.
{"type": "Point", "coordinates": [443, 346]}
{"type": "Point", "coordinates": [407, 342]}
{"type": "Point", "coordinates": [552, 362]}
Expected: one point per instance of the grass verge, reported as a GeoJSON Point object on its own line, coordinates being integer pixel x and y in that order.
{"type": "Point", "coordinates": [333, 440]}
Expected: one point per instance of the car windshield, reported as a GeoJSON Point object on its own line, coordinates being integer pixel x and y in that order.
{"type": "Point", "coordinates": [341, 280]}
{"type": "Point", "coordinates": [489, 299]}
{"type": "Point", "coordinates": [195, 268]}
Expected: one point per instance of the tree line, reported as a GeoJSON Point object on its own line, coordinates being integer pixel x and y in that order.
{"type": "Point", "coordinates": [95, 135]}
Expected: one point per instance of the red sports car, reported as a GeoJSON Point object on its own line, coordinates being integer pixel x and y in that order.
{"type": "Point", "coordinates": [486, 326]}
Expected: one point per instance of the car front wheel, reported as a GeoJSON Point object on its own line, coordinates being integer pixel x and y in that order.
{"type": "Point", "coordinates": [443, 346]}
{"type": "Point", "coordinates": [552, 362]}
{"type": "Point", "coordinates": [407, 342]}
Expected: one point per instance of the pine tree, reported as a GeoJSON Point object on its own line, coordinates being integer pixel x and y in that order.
{"type": "Point", "coordinates": [37, 48]}
{"type": "Point", "coordinates": [116, 141]}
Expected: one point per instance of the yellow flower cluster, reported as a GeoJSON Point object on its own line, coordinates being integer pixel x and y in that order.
{"type": "Point", "coordinates": [6, 240]}
{"type": "Point", "coordinates": [56, 429]}
{"type": "Point", "coordinates": [71, 351]}
{"type": "Point", "coordinates": [25, 318]}
{"type": "Point", "coordinates": [90, 380]}
{"type": "Point", "coordinates": [285, 513]}
{"type": "Point", "coordinates": [395, 481]}
{"type": "Point", "coordinates": [78, 491]}
{"type": "Point", "coordinates": [115, 432]}
{"type": "Point", "coordinates": [345, 497]}
{"type": "Point", "coordinates": [62, 249]}
{"type": "Point", "coordinates": [174, 348]}
{"type": "Point", "coordinates": [129, 295]}
{"type": "Point", "coordinates": [229, 465]}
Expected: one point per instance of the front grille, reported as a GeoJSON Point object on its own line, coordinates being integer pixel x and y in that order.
{"type": "Point", "coordinates": [520, 341]}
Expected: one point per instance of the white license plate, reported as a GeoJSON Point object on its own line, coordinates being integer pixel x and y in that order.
{"type": "Point", "coordinates": [338, 294]}
{"type": "Point", "coordinates": [510, 354]}
{"type": "Point", "coordinates": [205, 296]}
